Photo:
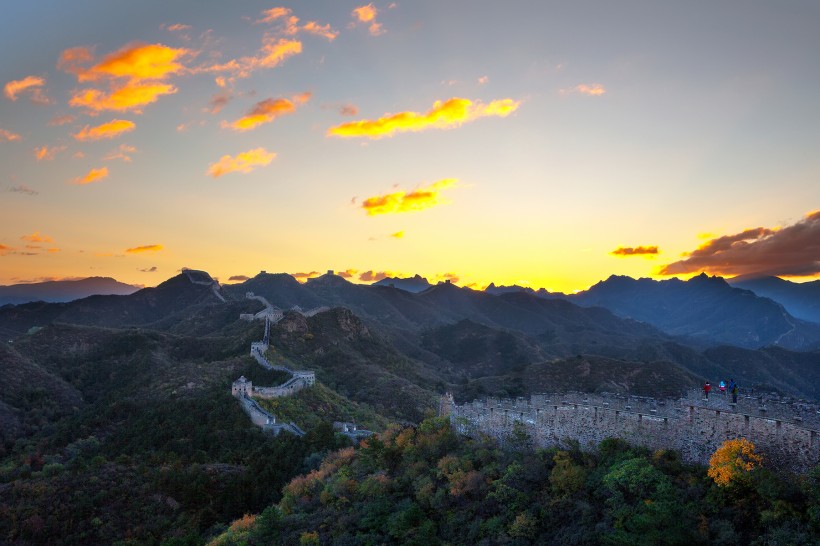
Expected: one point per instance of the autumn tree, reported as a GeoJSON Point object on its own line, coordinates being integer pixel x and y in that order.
{"type": "Point", "coordinates": [732, 460]}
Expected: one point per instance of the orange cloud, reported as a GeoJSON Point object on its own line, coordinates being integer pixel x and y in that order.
{"type": "Point", "coordinates": [412, 201]}
{"type": "Point", "coordinates": [266, 111]}
{"type": "Point", "coordinates": [130, 97]}
{"type": "Point", "coordinates": [789, 251]}
{"type": "Point", "coordinates": [347, 273]}
{"type": "Point", "coordinates": [144, 248]}
{"type": "Point", "coordinates": [397, 235]}
{"type": "Point", "coordinates": [8, 136]}
{"type": "Point", "coordinates": [134, 74]}
{"type": "Point", "coordinates": [272, 14]}
{"type": "Point", "coordinates": [365, 14]}
{"type": "Point", "coordinates": [276, 52]}
{"type": "Point", "coordinates": [45, 153]}
{"type": "Point", "coordinates": [178, 27]}
{"type": "Point", "coordinates": [123, 152]}
{"type": "Point", "coordinates": [94, 175]}
{"type": "Point", "coordinates": [5, 249]}
{"type": "Point", "coordinates": [312, 27]}
{"type": "Point", "coordinates": [450, 113]}
{"type": "Point", "coordinates": [348, 110]}
{"type": "Point", "coordinates": [244, 162]}
{"type": "Point", "coordinates": [111, 129]}
{"type": "Point", "coordinates": [374, 276]}
{"type": "Point", "coordinates": [635, 251]}
{"type": "Point", "coordinates": [136, 62]}
{"type": "Point", "coordinates": [36, 237]}
{"type": "Point", "coordinates": [30, 84]}
{"type": "Point", "coordinates": [302, 277]}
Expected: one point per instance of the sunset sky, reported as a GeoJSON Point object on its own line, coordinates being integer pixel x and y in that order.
{"type": "Point", "coordinates": [544, 143]}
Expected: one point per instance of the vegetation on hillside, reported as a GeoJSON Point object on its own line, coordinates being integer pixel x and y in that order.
{"type": "Point", "coordinates": [426, 485]}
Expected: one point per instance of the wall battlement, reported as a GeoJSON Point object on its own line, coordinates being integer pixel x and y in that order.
{"type": "Point", "coordinates": [784, 430]}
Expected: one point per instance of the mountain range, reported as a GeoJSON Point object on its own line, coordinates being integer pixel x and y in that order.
{"type": "Point", "coordinates": [483, 342]}
{"type": "Point", "coordinates": [63, 291]}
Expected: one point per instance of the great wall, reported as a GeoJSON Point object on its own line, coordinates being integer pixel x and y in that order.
{"type": "Point", "coordinates": [245, 392]}
{"type": "Point", "coordinates": [785, 430]}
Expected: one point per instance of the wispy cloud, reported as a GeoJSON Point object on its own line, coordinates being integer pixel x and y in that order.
{"type": "Point", "coordinates": [398, 235]}
{"type": "Point", "coordinates": [374, 276]}
{"type": "Point", "coordinates": [447, 114]}
{"type": "Point", "coordinates": [178, 27]}
{"type": "Point", "coordinates": [408, 201]}
{"type": "Point", "coordinates": [36, 237]}
{"type": "Point", "coordinates": [22, 188]}
{"type": "Point", "coordinates": [244, 162]}
{"type": "Point", "coordinates": [588, 89]}
{"type": "Point", "coordinates": [789, 251]}
{"type": "Point", "coordinates": [30, 85]}
{"type": "Point", "coordinates": [152, 269]}
{"type": "Point", "coordinates": [61, 120]}
{"type": "Point", "coordinates": [291, 23]}
{"type": "Point", "coordinates": [94, 175]}
{"type": "Point", "coordinates": [274, 51]}
{"type": "Point", "coordinates": [650, 251]}
{"type": "Point", "coordinates": [44, 153]}
{"type": "Point", "coordinates": [219, 101]}
{"type": "Point", "coordinates": [266, 111]}
{"type": "Point", "coordinates": [143, 248]}
{"type": "Point", "coordinates": [238, 278]}
{"type": "Point", "coordinates": [8, 136]}
{"type": "Point", "coordinates": [4, 249]}
{"type": "Point", "coordinates": [122, 152]}
{"type": "Point", "coordinates": [111, 129]}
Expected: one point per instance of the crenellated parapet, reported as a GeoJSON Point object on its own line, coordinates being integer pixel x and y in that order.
{"type": "Point", "coordinates": [787, 435]}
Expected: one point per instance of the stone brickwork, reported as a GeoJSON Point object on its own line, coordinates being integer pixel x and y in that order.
{"type": "Point", "coordinates": [784, 430]}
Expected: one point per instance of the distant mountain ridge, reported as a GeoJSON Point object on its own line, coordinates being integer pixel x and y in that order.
{"type": "Point", "coordinates": [704, 309]}
{"type": "Point", "coordinates": [802, 300]}
{"type": "Point", "coordinates": [63, 291]}
{"type": "Point", "coordinates": [414, 284]}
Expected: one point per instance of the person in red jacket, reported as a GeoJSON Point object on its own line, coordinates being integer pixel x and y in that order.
{"type": "Point", "coordinates": [706, 388]}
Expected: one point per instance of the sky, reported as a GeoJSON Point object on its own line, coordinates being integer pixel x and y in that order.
{"type": "Point", "coordinates": [549, 144]}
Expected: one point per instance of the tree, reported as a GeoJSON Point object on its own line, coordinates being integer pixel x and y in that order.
{"type": "Point", "coordinates": [733, 460]}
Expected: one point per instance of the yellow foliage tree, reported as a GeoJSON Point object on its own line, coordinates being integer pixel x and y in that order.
{"type": "Point", "coordinates": [733, 459]}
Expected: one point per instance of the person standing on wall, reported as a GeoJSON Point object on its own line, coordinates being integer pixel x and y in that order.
{"type": "Point", "coordinates": [706, 388]}
{"type": "Point", "coordinates": [734, 392]}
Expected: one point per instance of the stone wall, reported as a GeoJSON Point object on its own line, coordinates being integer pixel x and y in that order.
{"type": "Point", "coordinates": [785, 432]}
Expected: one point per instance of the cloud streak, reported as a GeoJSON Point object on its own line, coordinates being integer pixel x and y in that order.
{"type": "Point", "coordinates": [789, 251]}
{"type": "Point", "coordinates": [400, 201]}
{"type": "Point", "coordinates": [94, 175]}
{"type": "Point", "coordinates": [8, 136]}
{"type": "Point", "coordinates": [624, 251]}
{"type": "Point", "coordinates": [111, 129]}
{"type": "Point", "coordinates": [30, 85]}
{"type": "Point", "coordinates": [443, 115]}
{"type": "Point", "coordinates": [143, 248]}
{"type": "Point", "coordinates": [243, 162]}
{"type": "Point", "coordinates": [266, 111]}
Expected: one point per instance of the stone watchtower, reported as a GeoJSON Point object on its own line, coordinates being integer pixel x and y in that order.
{"type": "Point", "coordinates": [242, 387]}
{"type": "Point", "coordinates": [445, 406]}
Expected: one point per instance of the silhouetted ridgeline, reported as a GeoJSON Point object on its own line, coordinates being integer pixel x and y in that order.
{"type": "Point", "coordinates": [784, 430]}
